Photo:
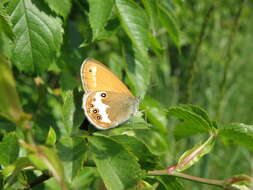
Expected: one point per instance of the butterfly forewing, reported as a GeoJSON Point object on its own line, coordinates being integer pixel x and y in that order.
{"type": "Point", "coordinates": [97, 77]}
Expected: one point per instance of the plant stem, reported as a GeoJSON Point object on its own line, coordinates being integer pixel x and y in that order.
{"type": "Point", "coordinates": [38, 181]}
{"type": "Point", "coordinates": [213, 182]}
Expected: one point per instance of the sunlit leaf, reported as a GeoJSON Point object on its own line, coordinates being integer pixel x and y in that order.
{"type": "Point", "coordinates": [51, 137]}
{"type": "Point", "coordinates": [38, 36]}
{"type": "Point", "coordinates": [196, 121]}
{"type": "Point", "coordinates": [134, 21]}
{"type": "Point", "coordinates": [98, 15]}
{"type": "Point", "coordinates": [60, 7]}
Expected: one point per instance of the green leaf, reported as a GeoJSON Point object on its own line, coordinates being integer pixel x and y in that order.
{"type": "Point", "coordinates": [72, 113]}
{"type": "Point", "coordinates": [138, 69]}
{"type": "Point", "coordinates": [196, 121]}
{"type": "Point", "coordinates": [38, 36]}
{"type": "Point", "coordinates": [45, 157]}
{"type": "Point", "coordinates": [60, 7]}
{"type": "Point", "coordinates": [151, 8]}
{"type": "Point", "coordinates": [118, 168]}
{"type": "Point", "coordinates": [239, 133]}
{"type": "Point", "coordinates": [169, 23]}
{"type": "Point", "coordinates": [71, 151]}
{"type": "Point", "coordinates": [147, 159]}
{"type": "Point", "coordinates": [9, 101]}
{"type": "Point", "coordinates": [185, 129]}
{"type": "Point", "coordinates": [51, 137]}
{"type": "Point", "coordinates": [193, 155]}
{"type": "Point", "coordinates": [68, 110]}
{"type": "Point", "coordinates": [155, 113]}
{"type": "Point", "coordinates": [169, 183]}
{"type": "Point", "coordinates": [134, 21]}
{"type": "Point", "coordinates": [11, 171]}
{"type": "Point", "coordinates": [98, 15]}
{"type": "Point", "coordinates": [198, 110]}
{"type": "Point", "coordinates": [5, 24]}
{"type": "Point", "coordinates": [9, 149]}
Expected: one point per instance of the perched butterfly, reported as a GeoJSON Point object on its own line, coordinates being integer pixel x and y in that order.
{"type": "Point", "coordinates": [107, 102]}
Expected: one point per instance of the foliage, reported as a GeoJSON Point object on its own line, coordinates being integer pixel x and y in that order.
{"type": "Point", "coordinates": [176, 56]}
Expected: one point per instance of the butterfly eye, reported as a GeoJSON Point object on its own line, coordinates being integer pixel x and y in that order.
{"type": "Point", "coordinates": [95, 111]}
{"type": "Point", "coordinates": [103, 95]}
{"type": "Point", "coordinates": [91, 105]}
{"type": "Point", "coordinates": [98, 117]}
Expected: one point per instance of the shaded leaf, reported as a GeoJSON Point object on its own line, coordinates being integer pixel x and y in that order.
{"type": "Point", "coordinates": [9, 149]}
{"type": "Point", "coordinates": [147, 159]}
{"type": "Point", "coordinates": [239, 133]}
{"type": "Point", "coordinates": [138, 69]}
{"type": "Point", "coordinates": [98, 15]}
{"type": "Point", "coordinates": [71, 152]}
{"type": "Point", "coordinates": [9, 100]}
{"type": "Point", "coordinates": [169, 23]}
{"type": "Point", "coordinates": [5, 24]}
{"type": "Point", "coordinates": [60, 7]}
{"type": "Point", "coordinates": [47, 158]}
{"type": "Point", "coordinates": [118, 168]}
{"type": "Point", "coordinates": [12, 171]}
{"type": "Point", "coordinates": [36, 47]}
{"type": "Point", "coordinates": [169, 183]}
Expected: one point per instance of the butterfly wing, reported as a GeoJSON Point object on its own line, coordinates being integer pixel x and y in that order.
{"type": "Point", "coordinates": [97, 77]}
{"type": "Point", "coordinates": [105, 109]}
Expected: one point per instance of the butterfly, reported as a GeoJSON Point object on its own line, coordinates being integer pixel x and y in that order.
{"type": "Point", "coordinates": [107, 101]}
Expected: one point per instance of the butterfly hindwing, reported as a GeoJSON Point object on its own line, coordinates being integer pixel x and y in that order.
{"type": "Point", "coordinates": [107, 109]}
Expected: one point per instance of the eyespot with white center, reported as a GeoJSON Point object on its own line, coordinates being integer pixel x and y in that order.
{"type": "Point", "coordinates": [103, 95]}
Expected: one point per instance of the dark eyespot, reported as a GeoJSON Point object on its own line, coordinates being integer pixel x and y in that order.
{"type": "Point", "coordinates": [95, 111]}
{"type": "Point", "coordinates": [98, 117]}
{"type": "Point", "coordinates": [91, 105]}
{"type": "Point", "coordinates": [103, 95]}
{"type": "Point", "coordinates": [94, 99]}
{"type": "Point", "coordinates": [90, 70]}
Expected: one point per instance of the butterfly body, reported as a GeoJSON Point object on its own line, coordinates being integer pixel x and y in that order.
{"type": "Point", "coordinates": [107, 102]}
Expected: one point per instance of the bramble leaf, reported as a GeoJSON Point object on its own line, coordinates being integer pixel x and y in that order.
{"type": "Point", "coordinates": [147, 159]}
{"type": "Point", "coordinates": [99, 15]}
{"type": "Point", "coordinates": [38, 36]}
{"type": "Point", "coordinates": [134, 21]}
{"type": "Point", "coordinates": [60, 7]}
{"type": "Point", "coordinates": [114, 163]}
{"type": "Point", "coordinates": [239, 133]}
{"type": "Point", "coordinates": [9, 149]}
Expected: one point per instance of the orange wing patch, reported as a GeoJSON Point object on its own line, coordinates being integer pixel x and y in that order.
{"type": "Point", "coordinates": [97, 77]}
